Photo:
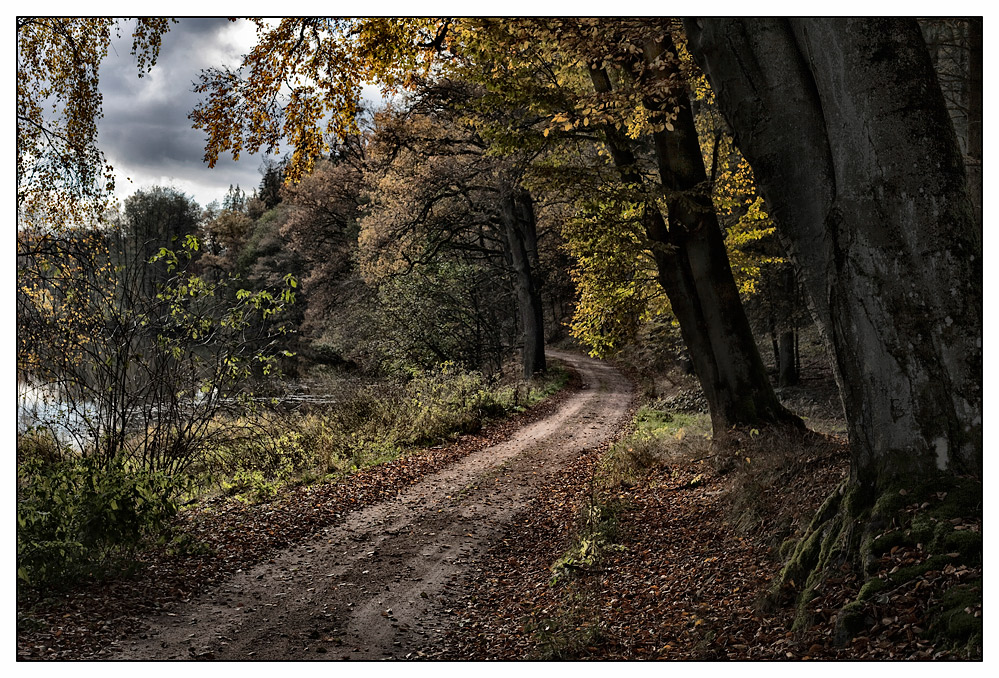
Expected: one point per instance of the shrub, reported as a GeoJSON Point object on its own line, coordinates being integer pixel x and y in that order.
{"type": "Point", "coordinates": [40, 445]}
{"type": "Point", "coordinates": [75, 518]}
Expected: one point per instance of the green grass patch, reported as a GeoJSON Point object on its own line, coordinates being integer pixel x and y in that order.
{"type": "Point", "coordinates": [656, 436]}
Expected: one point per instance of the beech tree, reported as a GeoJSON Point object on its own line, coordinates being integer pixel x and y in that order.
{"type": "Point", "coordinates": [847, 130]}
{"type": "Point", "coordinates": [437, 194]}
{"type": "Point", "coordinates": [693, 266]}
{"type": "Point", "coordinates": [870, 196]}
{"type": "Point", "coordinates": [638, 104]}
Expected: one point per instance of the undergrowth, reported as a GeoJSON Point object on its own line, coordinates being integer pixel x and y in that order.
{"type": "Point", "coordinates": [78, 519]}
{"type": "Point", "coordinates": [368, 426]}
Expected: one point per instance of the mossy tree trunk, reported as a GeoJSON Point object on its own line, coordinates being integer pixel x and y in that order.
{"type": "Point", "coordinates": [852, 146]}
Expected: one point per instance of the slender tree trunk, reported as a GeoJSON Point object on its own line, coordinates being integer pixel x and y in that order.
{"type": "Point", "coordinates": [851, 143]}
{"type": "Point", "coordinates": [773, 338]}
{"type": "Point", "coordinates": [787, 365]}
{"type": "Point", "coordinates": [787, 373]}
{"type": "Point", "coordinates": [694, 271]}
{"type": "Point", "coordinates": [520, 228]}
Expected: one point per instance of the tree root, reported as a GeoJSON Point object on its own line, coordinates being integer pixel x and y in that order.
{"type": "Point", "coordinates": [940, 520]}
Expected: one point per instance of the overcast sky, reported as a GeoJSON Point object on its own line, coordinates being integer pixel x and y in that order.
{"type": "Point", "coordinates": [146, 133]}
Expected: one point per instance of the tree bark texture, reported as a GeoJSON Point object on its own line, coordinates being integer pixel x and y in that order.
{"type": "Point", "coordinates": [520, 230]}
{"type": "Point", "coordinates": [975, 111]}
{"type": "Point", "coordinates": [694, 271]}
{"type": "Point", "coordinates": [852, 146]}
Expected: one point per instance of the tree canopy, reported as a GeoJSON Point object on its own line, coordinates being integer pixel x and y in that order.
{"type": "Point", "coordinates": [62, 176]}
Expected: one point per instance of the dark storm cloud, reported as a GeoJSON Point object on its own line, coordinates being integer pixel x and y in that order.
{"type": "Point", "coordinates": [146, 132]}
{"type": "Point", "coordinates": [152, 145]}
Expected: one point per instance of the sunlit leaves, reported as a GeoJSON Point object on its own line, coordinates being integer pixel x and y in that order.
{"type": "Point", "coordinates": [614, 274]}
{"type": "Point", "coordinates": [301, 84]}
{"type": "Point", "coordinates": [541, 64]}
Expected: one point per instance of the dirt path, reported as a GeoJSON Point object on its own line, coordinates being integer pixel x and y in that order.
{"type": "Point", "coordinates": [379, 585]}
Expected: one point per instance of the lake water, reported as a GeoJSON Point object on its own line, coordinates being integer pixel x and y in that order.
{"type": "Point", "coordinates": [41, 407]}
{"type": "Point", "coordinates": [44, 407]}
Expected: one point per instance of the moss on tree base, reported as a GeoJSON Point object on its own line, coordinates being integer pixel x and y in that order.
{"type": "Point", "coordinates": [930, 533]}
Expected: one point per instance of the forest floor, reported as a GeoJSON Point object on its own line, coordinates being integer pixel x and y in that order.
{"type": "Point", "coordinates": [449, 555]}
{"type": "Point", "coordinates": [672, 559]}
{"type": "Point", "coordinates": [363, 569]}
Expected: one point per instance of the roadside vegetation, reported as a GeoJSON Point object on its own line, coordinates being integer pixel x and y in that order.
{"type": "Point", "coordinates": [684, 550]}
{"type": "Point", "coordinates": [78, 520]}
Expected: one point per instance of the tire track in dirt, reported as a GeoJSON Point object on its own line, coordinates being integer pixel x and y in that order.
{"type": "Point", "coordinates": [378, 585]}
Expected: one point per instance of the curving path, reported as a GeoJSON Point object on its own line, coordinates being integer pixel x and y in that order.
{"type": "Point", "coordinates": [378, 585]}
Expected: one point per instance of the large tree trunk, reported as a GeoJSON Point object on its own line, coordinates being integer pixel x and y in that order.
{"type": "Point", "coordinates": [520, 228]}
{"type": "Point", "coordinates": [849, 138]}
{"type": "Point", "coordinates": [975, 96]}
{"type": "Point", "coordinates": [694, 270]}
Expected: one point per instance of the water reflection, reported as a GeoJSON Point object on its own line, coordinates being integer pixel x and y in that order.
{"type": "Point", "coordinates": [44, 407]}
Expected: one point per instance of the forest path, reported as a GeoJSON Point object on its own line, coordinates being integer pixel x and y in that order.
{"type": "Point", "coordinates": [378, 585]}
